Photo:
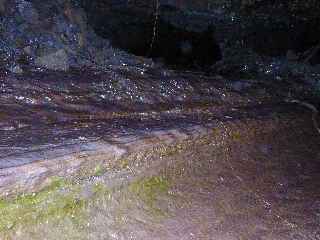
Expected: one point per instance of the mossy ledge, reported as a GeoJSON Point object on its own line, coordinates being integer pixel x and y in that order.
{"type": "Point", "coordinates": [64, 201]}
{"type": "Point", "coordinates": [58, 201]}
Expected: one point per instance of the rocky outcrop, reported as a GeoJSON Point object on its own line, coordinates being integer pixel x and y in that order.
{"type": "Point", "coordinates": [50, 34]}
{"type": "Point", "coordinates": [55, 61]}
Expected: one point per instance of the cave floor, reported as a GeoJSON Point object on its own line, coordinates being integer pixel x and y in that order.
{"type": "Point", "coordinates": [194, 161]}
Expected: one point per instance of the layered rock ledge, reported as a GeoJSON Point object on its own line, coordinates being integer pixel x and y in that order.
{"type": "Point", "coordinates": [75, 160]}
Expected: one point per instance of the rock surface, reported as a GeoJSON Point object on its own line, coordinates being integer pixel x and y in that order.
{"type": "Point", "coordinates": [54, 129]}
{"type": "Point", "coordinates": [128, 149]}
{"type": "Point", "coordinates": [51, 35]}
{"type": "Point", "coordinates": [55, 61]}
{"type": "Point", "coordinates": [195, 171]}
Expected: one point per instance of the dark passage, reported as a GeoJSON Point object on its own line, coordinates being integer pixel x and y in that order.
{"type": "Point", "coordinates": [144, 32]}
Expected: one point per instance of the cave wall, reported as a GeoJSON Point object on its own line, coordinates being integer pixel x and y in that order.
{"type": "Point", "coordinates": [270, 28]}
{"type": "Point", "coordinates": [56, 34]}
{"type": "Point", "coordinates": [50, 34]}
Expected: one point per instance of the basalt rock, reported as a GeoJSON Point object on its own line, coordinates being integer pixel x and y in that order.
{"type": "Point", "coordinates": [50, 34]}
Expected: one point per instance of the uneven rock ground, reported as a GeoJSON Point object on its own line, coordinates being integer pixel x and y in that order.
{"type": "Point", "coordinates": [177, 156]}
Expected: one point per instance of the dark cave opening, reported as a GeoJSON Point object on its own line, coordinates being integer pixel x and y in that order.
{"type": "Point", "coordinates": [142, 29]}
{"type": "Point", "coordinates": [143, 32]}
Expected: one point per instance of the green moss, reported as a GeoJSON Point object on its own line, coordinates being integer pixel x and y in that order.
{"type": "Point", "coordinates": [98, 171]}
{"type": "Point", "coordinates": [149, 190]}
{"type": "Point", "coordinates": [100, 189]}
{"type": "Point", "coordinates": [215, 131]}
{"type": "Point", "coordinates": [236, 136]}
{"type": "Point", "coordinates": [57, 201]}
{"type": "Point", "coordinates": [124, 163]}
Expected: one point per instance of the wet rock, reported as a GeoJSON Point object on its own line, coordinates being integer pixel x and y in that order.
{"type": "Point", "coordinates": [28, 12]}
{"type": "Point", "coordinates": [240, 86]}
{"type": "Point", "coordinates": [53, 35]}
{"type": "Point", "coordinates": [2, 6]}
{"type": "Point", "coordinates": [16, 69]}
{"type": "Point", "coordinates": [54, 61]}
{"type": "Point", "coordinates": [87, 192]}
